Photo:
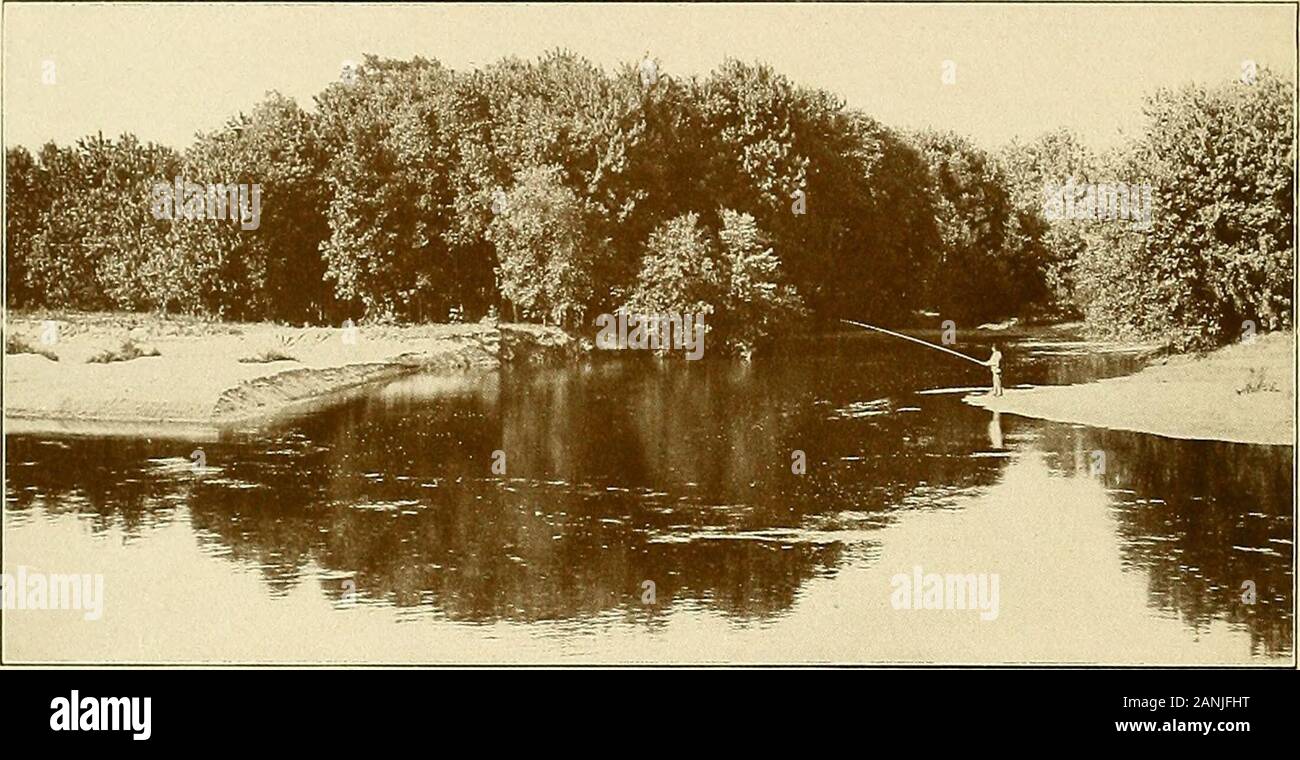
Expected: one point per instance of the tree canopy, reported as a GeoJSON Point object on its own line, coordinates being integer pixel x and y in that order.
{"type": "Point", "coordinates": [555, 191]}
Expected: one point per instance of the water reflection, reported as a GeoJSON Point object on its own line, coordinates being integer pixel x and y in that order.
{"type": "Point", "coordinates": [1202, 518]}
{"type": "Point", "coordinates": [626, 471]}
{"type": "Point", "coordinates": [995, 431]}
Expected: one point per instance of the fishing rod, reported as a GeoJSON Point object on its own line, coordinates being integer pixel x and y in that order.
{"type": "Point", "coordinates": [914, 340]}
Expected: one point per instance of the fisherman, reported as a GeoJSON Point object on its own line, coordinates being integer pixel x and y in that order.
{"type": "Point", "coordinates": [995, 364]}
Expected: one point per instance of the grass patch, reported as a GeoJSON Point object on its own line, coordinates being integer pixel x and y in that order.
{"type": "Point", "coordinates": [268, 356]}
{"type": "Point", "coordinates": [1257, 382]}
{"type": "Point", "coordinates": [17, 344]}
{"type": "Point", "coordinates": [126, 352]}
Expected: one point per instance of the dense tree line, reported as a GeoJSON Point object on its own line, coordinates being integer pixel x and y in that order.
{"type": "Point", "coordinates": [551, 190]}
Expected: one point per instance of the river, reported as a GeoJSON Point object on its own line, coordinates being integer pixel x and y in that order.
{"type": "Point", "coordinates": [630, 509]}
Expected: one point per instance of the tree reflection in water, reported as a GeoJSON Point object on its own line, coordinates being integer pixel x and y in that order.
{"type": "Point", "coordinates": [631, 470]}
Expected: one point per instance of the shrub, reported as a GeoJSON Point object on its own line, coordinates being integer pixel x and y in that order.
{"type": "Point", "coordinates": [127, 351]}
{"type": "Point", "coordinates": [17, 344]}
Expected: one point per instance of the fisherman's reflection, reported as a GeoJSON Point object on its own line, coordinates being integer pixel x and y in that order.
{"type": "Point", "coordinates": [995, 431]}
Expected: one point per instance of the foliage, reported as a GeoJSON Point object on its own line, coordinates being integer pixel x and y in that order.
{"type": "Point", "coordinates": [1219, 252]}
{"type": "Point", "coordinates": [989, 261]}
{"type": "Point", "coordinates": [17, 344]}
{"type": "Point", "coordinates": [96, 245]}
{"type": "Point", "coordinates": [274, 270]}
{"type": "Point", "coordinates": [733, 280]}
{"type": "Point", "coordinates": [124, 352]}
{"type": "Point", "coordinates": [555, 191]}
{"type": "Point", "coordinates": [756, 304]}
{"type": "Point", "coordinates": [390, 199]}
{"type": "Point", "coordinates": [1050, 161]}
{"type": "Point", "coordinates": [543, 248]}
{"type": "Point", "coordinates": [679, 272]}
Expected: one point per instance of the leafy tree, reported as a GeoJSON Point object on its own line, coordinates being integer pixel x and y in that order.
{"type": "Point", "coordinates": [543, 246]}
{"type": "Point", "coordinates": [873, 219]}
{"type": "Point", "coordinates": [1219, 250]}
{"type": "Point", "coordinates": [560, 111]}
{"type": "Point", "coordinates": [566, 190]}
{"type": "Point", "coordinates": [1032, 169]}
{"type": "Point", "coordinates": [391, 202]}
{"type": "Point", "coordinates": [679, 273]}
{"type": "Point", "coordinates": [734, 280]}
{"type": "Point", "coordinates": [757, 305]}
{"type": "Point", "coordinates": [98, 247]}
{"type": "Point", "coordinates": [842, 199]}
{"type": "Point", "coordinates": [988, 260]}
{"type": "Point", "coordinates": [274, 270]}
{"type": "Point", "coordinates": [26, 197]}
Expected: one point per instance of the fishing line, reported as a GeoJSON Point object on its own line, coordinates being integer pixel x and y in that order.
{"type": "Point", "coordinates": [914, 340]}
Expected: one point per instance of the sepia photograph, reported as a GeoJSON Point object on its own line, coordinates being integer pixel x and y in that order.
{"type": "Point", "coordinates": [538, 335]}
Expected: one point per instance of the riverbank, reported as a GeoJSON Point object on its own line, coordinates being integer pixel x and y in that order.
{"type": "Point", "coordinates": [133, 370]}
{"type": "Point", "coordinates": [1242, 393]}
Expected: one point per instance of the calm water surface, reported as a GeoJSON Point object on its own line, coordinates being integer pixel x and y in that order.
{"type": "Point", "coordinates": [374, 530]}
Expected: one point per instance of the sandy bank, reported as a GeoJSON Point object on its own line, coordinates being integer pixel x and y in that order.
{"type": "Point", "coordinates": [198, 378]}
{"type": "Point", "coordinates": [1243, 393]}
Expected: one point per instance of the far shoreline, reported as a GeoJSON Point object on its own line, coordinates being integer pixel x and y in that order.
{"type": "Point", "coordinates": [183, 377]}
{"type": "Point", "coordinates": [211, 378]}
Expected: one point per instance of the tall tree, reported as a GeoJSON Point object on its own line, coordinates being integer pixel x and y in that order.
{"type": "Point", "coordinates": [275, 269]}
{"type": "Point", "coordinates": [542, 243]}
{"type": "Point", "coordinates": [391, 202]}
